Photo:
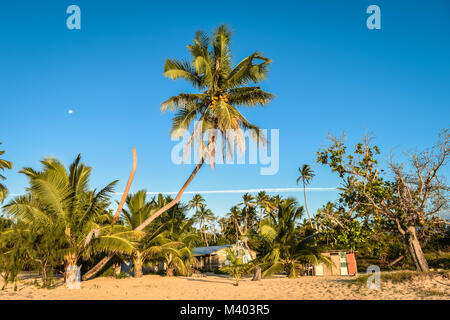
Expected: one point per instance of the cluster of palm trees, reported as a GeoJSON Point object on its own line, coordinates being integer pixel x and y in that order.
{"type": "Point", "coordinates": [60, 223]}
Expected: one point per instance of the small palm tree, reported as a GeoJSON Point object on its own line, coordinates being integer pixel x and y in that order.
{"type": "Point", "coordinates": [138, 209]}
{"type": "Point", "coordinates": [4, 164]}
{"type": "Point", "coordinates": [306, 175]}
{"type": "Point", "coordinates": [285, 251]}
{"type": "Point", "coordinates": [234, 265]}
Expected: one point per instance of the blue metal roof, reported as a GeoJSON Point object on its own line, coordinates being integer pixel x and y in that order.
{"type": "Point", "coordinates": [201, 251]}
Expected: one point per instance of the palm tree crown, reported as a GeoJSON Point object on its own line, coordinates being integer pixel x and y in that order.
{"type": "Point", "coordinates": [223, 89]}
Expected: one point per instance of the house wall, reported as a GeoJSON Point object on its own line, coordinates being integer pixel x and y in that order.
{"type": "Point", "coordinates": [335, 269]}
{"type": "Point", "coordinates": [215, 260]}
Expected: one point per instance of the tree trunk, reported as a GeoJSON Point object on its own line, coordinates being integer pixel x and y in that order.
{"type": "Point", "coordinates": [88, 275]}
{"type": "Point", "coordinates": [206, 239]}
{"type": "Point", "coordinates": [137, 262]}
{"type": "Point", "coordinates": [170, 272]}
{"type": "Point", "coordinates": [415, 249]}
{"type": "Point", "coordinates": [395, 261]}
{"type": "Point", "coordinates": [71, 274]}
{"type": "Point", "coordinates": [117, 269]}
{"type": "Point", "coordinates": [44, 276]}
{"type": "Point", "coordinates": [306, 206]}
{"type": "Point", "coordinates": [127, 188]}
{"type": "Point", "coordinates": [105, 260]}
{"type": "Point", "coordinates": [257, 274]}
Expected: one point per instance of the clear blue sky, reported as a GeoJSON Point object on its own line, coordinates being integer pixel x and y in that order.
{"type": "Point", "coordinates": [329, 73]}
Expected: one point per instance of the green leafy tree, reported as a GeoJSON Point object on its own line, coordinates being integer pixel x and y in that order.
{"type": "Point", "coordinates": [342, 230]}
{"type": "Point", "coordinates": [412, 200]}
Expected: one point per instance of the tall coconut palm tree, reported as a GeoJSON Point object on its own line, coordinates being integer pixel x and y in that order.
{"type": "Point", "coordinates": [306, 175]}
{"type": "Point", "coordinates": [4, 164]}
{"type": "Point", "coordinates": [222, 90]}
{"type": "Point", "coordinates": [60, 200]}
{"type": "Point", "coordinates": [286, 252]}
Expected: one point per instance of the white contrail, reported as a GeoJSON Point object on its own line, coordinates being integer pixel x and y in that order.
{"type": "Point", "coordinates": [225, 191]}
{"type": "Point", "coordinates": [241, 191]}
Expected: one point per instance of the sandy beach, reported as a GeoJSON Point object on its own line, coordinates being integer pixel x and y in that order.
{"type": "Point", "coordinates": [218, 287]}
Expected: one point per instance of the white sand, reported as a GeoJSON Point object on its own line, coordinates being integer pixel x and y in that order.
{"type": "Point", "coordinates": [221, 287]}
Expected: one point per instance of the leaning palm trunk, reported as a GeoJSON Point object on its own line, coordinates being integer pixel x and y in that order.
{"type": "Point", "coordinates": [105, 260]}
{"type": "Point", "coordinates": [92, 272]}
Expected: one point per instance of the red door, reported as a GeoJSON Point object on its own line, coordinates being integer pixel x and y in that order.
{"type": "Point", "coordinates": [351, 263]}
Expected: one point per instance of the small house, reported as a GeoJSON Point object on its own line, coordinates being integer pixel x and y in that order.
{"type": "Point", "coordinates": [343, 264]}
{"type": "Point", "coordinates": [213, 257]}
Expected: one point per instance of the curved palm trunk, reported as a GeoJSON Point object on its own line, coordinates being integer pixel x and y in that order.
{"type": "Point", "coordinates": [257, 274]}
{"type": "Point", "coordinates": [105, 260]}
{"type": "Point", "coordinates": [93, 271]}
{"type": "Point", "coordinates": [127, 188]}
{"type": "Point", "coordinates": [306, 206]}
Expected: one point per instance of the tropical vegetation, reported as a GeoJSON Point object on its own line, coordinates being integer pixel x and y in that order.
{"type": "Point", "coordinates": [391, 215]}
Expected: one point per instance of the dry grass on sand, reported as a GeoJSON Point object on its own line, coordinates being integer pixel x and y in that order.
{"type": "Point", "coordinates": [435, 286]}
